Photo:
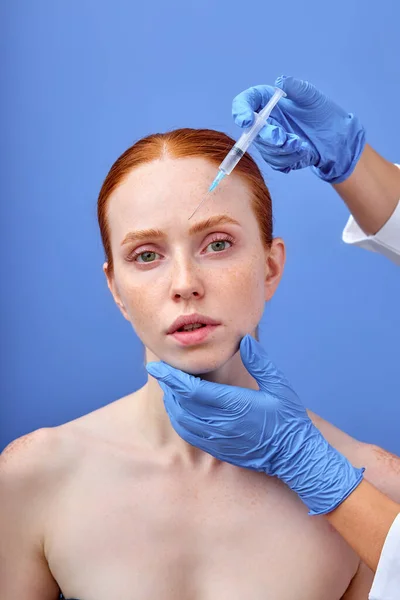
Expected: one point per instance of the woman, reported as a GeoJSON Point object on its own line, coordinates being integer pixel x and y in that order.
{"type": "Point", "coordinates": [115, 504]}
{"type": "Point", "coordinates": [255, 429]}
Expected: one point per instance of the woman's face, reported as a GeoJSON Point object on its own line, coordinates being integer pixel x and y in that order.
{"type": "Point", "coordinates": [165, 266]}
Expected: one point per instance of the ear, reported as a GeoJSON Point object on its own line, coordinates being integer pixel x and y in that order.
{"type": "Point", "coordinates": [114, 290]}
{"type": "Point", "coordinates": [275, 262]}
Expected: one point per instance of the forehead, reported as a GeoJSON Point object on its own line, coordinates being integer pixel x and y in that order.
{"type": "Point", "coordinates": [168, 190]}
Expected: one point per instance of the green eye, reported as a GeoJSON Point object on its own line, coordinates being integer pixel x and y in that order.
{"type": "Point", "coordinates": [147, 257]}
{"type": "Point", "coordinates": [219, 245]}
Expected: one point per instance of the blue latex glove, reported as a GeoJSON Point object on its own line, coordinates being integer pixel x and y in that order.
{"type": "Point", "coordinates": [267, 430]}
{"type": "Point", "coordinates": [306, 129]}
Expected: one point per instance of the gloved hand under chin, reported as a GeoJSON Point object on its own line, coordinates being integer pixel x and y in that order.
{"type": "Point", "coordinates": [266, 430]}
{"type": "Point", "coordinates": [306, 129]}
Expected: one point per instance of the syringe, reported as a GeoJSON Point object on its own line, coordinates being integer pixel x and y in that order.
{"type": "Point", "coordinates": [247, 138]}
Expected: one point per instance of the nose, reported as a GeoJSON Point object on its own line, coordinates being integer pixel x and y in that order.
{"type": "Point", "coordinates": [186, 283]}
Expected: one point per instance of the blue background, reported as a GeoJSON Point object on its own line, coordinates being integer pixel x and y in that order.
{"type": "Point", "coordinates": [82, 80]}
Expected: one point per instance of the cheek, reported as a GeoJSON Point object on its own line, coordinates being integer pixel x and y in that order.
{"type": "Point", "coordinates": [140, 301]}
{"type": "Point", "coordinates": [244, 290]}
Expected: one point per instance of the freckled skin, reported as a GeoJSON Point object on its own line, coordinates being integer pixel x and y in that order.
{"type": "Point", "coordinates": [387, 459]}
{"type": "Point", "coordinates": [15, 448]}
{"type": "Point", "coordinates": [129, 509]}
{"type": "Point", "coordinates": [230, 286]}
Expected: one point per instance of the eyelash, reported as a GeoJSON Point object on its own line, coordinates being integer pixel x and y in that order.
{"type": "Point", "coordinates": [216, 238]}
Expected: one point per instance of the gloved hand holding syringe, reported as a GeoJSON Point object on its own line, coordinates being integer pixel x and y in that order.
{"type": "Point", "coordinates": [243, 143]}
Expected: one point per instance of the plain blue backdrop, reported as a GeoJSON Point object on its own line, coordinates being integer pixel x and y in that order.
{"type": "Point", "coordinates": [82, 80]}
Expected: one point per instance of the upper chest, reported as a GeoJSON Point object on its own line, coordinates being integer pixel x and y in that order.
{"type": "Point", "coordinates": [140, 532]}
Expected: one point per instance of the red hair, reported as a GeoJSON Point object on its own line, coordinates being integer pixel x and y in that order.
{"type": "Point", "coordinates": [183, 143]}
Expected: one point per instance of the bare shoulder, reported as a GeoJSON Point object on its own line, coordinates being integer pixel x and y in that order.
{"type": "Point", "coordinates": [28, 454]}
{"type": "Point", "coordinates": [35, 466]}
{"type": "Point", "coordinates": [382, 467]}
{"type": "Point", "coordinates": [22, 466]}
{"type": "Point", "coordinates": [45, 450]}
{"type": "Point", "coordinates": [50, 454]}
{"type": "Point", "coordinates": [29, 467]}
{"type": "Point", "coordinates": [52, 450]}
{"type": "Point", "coordinates": [27, 480]}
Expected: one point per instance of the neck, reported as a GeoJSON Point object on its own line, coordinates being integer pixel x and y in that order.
{"type": "Point", "coordinates": [154, 421]}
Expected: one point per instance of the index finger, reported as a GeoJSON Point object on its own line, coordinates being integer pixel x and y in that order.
{"type": "Point", "coordinates": [245, 104]}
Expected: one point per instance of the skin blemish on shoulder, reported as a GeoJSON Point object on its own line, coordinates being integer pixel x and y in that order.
{"type": "Point", "coordinates": [14, 448]}
{"type": "Point", "coordinates": [387, 459]}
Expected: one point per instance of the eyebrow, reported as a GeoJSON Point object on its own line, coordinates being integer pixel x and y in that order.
{"type": "Point", "coordinates": [145, 234]}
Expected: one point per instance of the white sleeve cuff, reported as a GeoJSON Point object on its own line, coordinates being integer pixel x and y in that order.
{"type": "Point", "coordinates": [386, 241]}
{"type": "Point", "coordinates": [386, 584]}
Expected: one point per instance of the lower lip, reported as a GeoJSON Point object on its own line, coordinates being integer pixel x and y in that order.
{"type": "Point", "coordinates": [189, 338]}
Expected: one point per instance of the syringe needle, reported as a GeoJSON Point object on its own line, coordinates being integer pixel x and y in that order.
{"type": "Point", "coordinates": [198, 206]}
{"type": "Point", "coordinates": [239, 149]}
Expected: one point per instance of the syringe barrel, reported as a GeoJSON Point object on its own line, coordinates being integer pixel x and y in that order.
{"type": "Point", "coordinates": [248, 137]}
{"type": "Point", "coordinates": [231, 160]}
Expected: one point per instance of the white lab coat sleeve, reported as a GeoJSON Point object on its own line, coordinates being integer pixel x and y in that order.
{"type": "Point", "coordinates": [386, 585]}
{"type": "Point", "coordinates": [386, 241]}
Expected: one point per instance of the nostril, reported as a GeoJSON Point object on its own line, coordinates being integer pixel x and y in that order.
{"type": "Point", "coordinates": [186, 295]}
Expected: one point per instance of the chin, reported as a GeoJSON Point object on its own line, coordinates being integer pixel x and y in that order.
{"type": "Point", "coordinates": [203, 360]}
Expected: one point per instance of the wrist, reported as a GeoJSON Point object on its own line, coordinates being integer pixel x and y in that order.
{"type": "Point", "coordinates": [372, 191]}
{"type": "Point", "coordinates": [320, 475]}
{"type": "Point", "coordinates": [364, 520]}
{"type": "Point", "coordinates": [342, 153]}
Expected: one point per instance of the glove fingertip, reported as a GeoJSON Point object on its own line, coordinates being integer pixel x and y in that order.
{"type": "Point", "coordinates": [178, 380]}
{"type": "Point", "coordinates": [246, 348]}
{"type": "Point", "coordinates": [280, 81]}
{"type": "Point", "coordinates": [159, 369]}
{"type": "Point", "coordinates": [244, 119]}
{"type": "Point", "coordinates": [254, 356]}
{"type": "Point", "coordinates": [291, 86]}
{"type": "Point", "coordinates": [283, 81]}
{"type": "Point", "coordinates": [153, 369]}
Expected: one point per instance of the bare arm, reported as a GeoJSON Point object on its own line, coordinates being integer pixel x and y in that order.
{"type": "Point", "coordinates": [24, 572]}
{"type": "Point", "coordinates": [364, 520]}
{"type": "Point", "coordinates": [365, 517]}
{"type": "Point", "coordinates": [372, 191]}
